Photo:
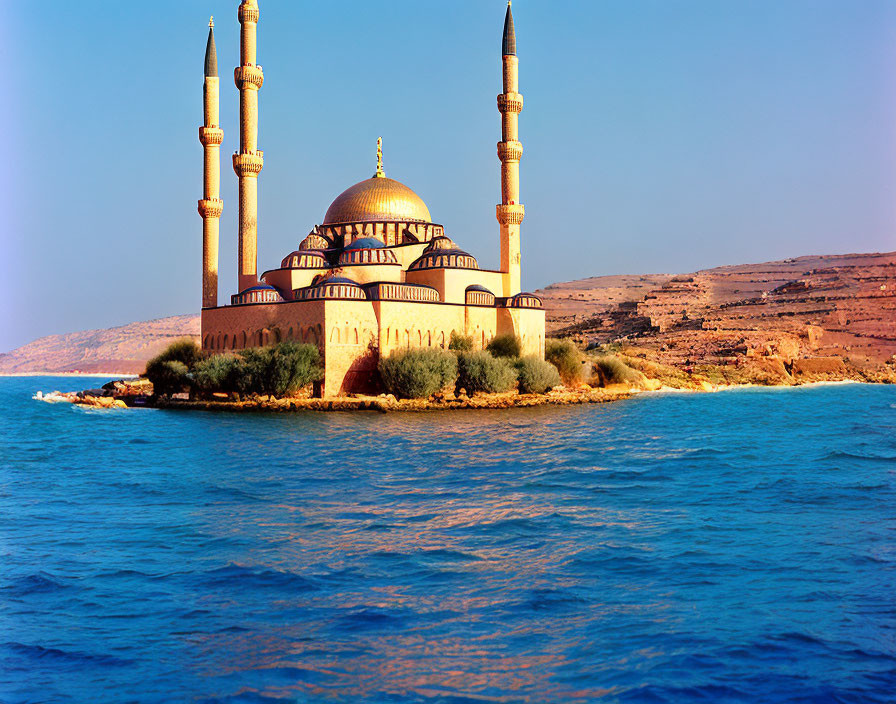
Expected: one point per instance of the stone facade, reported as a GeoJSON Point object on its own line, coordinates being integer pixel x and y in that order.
{"type": "Point", "coordinates": [377, 275]}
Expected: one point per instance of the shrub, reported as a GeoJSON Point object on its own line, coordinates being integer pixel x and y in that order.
{"type": "Point", "coordinates": [536, 376]}
{"type": "Point", "coordinates": [418, 373]}
{"type": "Point", "coordinates": [505, 346]}
{"type": "Point", "coordinates": [460, 343]}
{"type": "Point", "coordinates": [613, 370]}
{"type": "Point", "coordinates": [185, 351]}
{"type": "Point", "coordinates": [168, 376]}
{"type": "Point", "coordinates": [222, 372]}
{"type": "Point", "coordinates": [564, 355]}
{"type": "Point", "coordinates": [479, 371]}
{"type": "Point", "coordinates": [281, 369]}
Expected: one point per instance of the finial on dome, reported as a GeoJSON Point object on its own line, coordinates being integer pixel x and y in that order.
{"type": "Point", "coordinates": [379, 159]}
{"type": "Point", "coordinates": [211, 21]}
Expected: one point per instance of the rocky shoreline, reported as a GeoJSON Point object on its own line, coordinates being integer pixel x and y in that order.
{"type": "Point", "coordinates": [388, 403]}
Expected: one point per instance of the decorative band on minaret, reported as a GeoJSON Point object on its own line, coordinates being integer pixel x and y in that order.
{"type": "Point", "coordinates": [510, 212]}
{"type": "Point", "coordinates": [248, 161]}
{"type": "Point", "coordinates": [211, 206]}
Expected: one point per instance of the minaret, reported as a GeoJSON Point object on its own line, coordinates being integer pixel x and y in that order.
{"type": "Point", "coordinates": [211, 205]}
{"type": "Point", "coordinates": [510, 212]}
{"type": "Point", "coordinates": [248, 161]}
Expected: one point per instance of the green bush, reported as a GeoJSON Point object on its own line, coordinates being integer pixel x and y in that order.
{"type": "Point", "coordinates": [613, 370]}
{"type": "Point", "coordinates": [479, 371]}
{"type": "Point", "coordinates": [418, 373]}
{"type": "Point", "coordinates": [564, 355]}
{"type": "Point", "coordinates": [536, 376]}
{"type": "Point", "coordinates": [168, 376]}
{"type": "Point", "coordinates": [505, 346]}
{"type": "Point", "coordinates": [282, 368]}
{"type": "Point", "coordinates": [460, 343]}
{"type": "Point", "coordinates": [222, 372]}
{"type": "Point", "coordinates": [185, 351]}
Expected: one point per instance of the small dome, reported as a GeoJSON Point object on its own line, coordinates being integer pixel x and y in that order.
{"type": "Point", "coordinates": [478, 295]}
{"type": "Point", "coordinates": [524, 300]}
{"type": "Point", "coordinates": [337, 287]}
{"type": "Point", "coordinates": [444, 259]}
{"type": "Point", "coordinates": [258, 287]}
{"type": "Point", "coordinates": [336, 280]}
{"type": "Point", "coordinates": [308, 259]}
{"type": "Point", "coordinates": [440, 242]}
{"type": "Point", "coordinates": [352, 255]}
{"type": "Point", "coordinates": [377, 199]}
{"type": "Point", "coordinates": [366, 243]}
{"type": "Point", "coordinates": [257, 293]}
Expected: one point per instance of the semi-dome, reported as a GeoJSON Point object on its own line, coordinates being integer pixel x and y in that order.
{"type": "Point", "coordinates": [377, 199]}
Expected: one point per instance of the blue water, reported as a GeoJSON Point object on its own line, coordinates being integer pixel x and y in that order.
{"type": "Point", "coordinates": [729, 547]}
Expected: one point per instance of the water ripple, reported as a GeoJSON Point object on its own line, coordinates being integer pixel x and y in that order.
{"type": "Point", "coordinates": [733, 547]}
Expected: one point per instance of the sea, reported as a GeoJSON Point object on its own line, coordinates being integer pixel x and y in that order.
{"type": "Point", "coordinates": [737, 546]}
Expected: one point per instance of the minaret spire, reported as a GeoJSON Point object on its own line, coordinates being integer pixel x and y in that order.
{"type": "Point", "coordinates": [510, 212]}
{"type": "Point", "coordinates": [508, 44]}
{"type": "Point", "coordinates": [211, 54]}
{"type": "Point", "coordinates": [211, 206]}
{"type": "Point", "coordinates": [247, 163]}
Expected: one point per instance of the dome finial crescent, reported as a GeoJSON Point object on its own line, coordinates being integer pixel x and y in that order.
{"type": "Point", "coordinates": [379, 159]}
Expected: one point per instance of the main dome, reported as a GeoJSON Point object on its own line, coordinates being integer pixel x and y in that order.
{"type": "Point", "coordinates": [377, 199]}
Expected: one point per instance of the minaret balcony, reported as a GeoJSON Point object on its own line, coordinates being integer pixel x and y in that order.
{"type": "Point", "coordinates": [510, 151]}
{"type": "Point", "coordinates": [510, 213]}
{"type": "Point", "coordinates": [247, 12]}
{"type": "Point", "coordinates": [211, 208]}
{"type": "Point", "coordinates": [248, 76]}
{"type": "Point", "coordinates": [510, 102]}
{"type": "Point", "coordinates": [248, 164]}
{"type": "Point", "coordinates": [211, 135]}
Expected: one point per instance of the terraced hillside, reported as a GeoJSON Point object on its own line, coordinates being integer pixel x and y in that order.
{"type": "Point", "coordinates": [841, 306]}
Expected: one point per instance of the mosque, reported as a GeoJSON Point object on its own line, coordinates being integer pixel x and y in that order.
{"type": "Point", "coordinates": [377, 275]}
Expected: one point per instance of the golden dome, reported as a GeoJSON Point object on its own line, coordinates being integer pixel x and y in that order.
{"type": "Point", "coordinates": [377, 199]}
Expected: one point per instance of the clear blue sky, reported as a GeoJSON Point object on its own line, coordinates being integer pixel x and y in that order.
{"type": "Point", "coordinates": [660, 135]}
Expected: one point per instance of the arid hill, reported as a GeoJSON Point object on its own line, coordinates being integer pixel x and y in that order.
{"type": "Point", "coordinates": [836, 306]}
{"type": "Point", "coordinates": [121, 350]}
{"type": "Point", "coordinates": [820, 312]}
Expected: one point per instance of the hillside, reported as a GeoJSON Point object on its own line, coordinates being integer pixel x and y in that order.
{"type": "Point", "coordinates": [837, 306]}
{"type": "Point", "coordinates": [841, 306]}
{"type": "Point", "coordinates": [121, 350]}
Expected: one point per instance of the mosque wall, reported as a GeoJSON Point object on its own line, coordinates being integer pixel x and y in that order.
{"type": "Point", "coordinates": [353, 334]}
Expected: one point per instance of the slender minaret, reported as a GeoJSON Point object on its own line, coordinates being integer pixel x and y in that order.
{"type": "Point", "coordinates": [247, 162]}
{"type": "Point", "coordinates": [211, 205]}
{"type": "Point", "coordinates": [510, 212]}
